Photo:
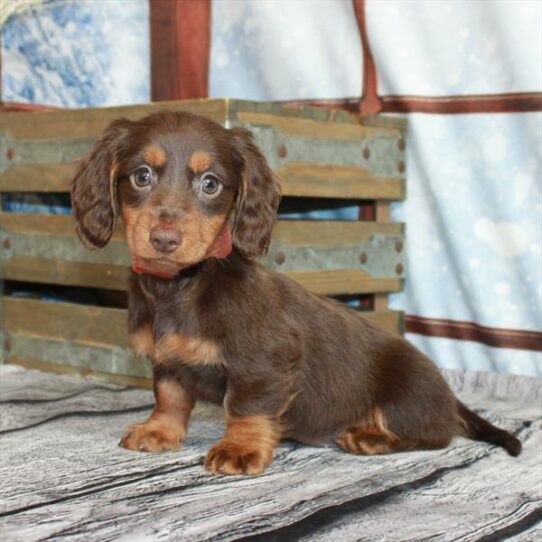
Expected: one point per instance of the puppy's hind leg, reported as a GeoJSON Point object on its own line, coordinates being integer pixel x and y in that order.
{"type": "Point", "coordinates": [373, 436]}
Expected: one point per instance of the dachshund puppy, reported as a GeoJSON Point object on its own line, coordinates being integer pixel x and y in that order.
{"type": "Point", "coordinates": [198, 202]}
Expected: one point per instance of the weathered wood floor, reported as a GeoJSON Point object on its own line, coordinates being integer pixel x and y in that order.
{"type": "Point", "coordinates": [64, 477]}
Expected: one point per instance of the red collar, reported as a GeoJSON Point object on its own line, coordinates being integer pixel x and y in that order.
{"type": "Point", "coordinates": [220, 248]}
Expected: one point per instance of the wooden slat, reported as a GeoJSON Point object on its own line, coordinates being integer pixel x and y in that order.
{"type": "Point", "coordinates": [28, 269]}
{"type": "Point", "coordinates": [321, 233]}
{"type": "Point", "coordinates": [39, 365]}
{"type": "Point", "coordinates": [338, 182]}
{"type": "Point", "coordinates": [86, 324]}
{"type": "Point", "coordinates": [315, 129]}
{"type": "Point", "coordinates": [344, 282]}
{"type": "Point", "coordinates": [89, 123]}
{"type": "Point", "coordinates": [296, 180]}
{"type": "Point", "coordinates": [38, 224]}
{"type": "Point", "coordinates": [115, 278]}
{"type": "Point", "coordinates": [37, 178]}
{"type": "Point", "coordinates": [100, 326]}
{"type": "Point", "coordinates": [48, 324]}
{"type": "Point", "coordinates": [292, 232]}
{"type": "Point", "coordinates": [85, 123]}
{"type": "Point", "coordinates": [392, 321]}
{"type": "Point", "coordinates": [94, 325]}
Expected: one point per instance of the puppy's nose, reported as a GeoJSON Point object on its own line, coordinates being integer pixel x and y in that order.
{"type": "Point", "coordinates": [165, 239]}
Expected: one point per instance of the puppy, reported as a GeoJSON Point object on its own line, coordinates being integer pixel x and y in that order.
{"type": "Point", "coordinates": [198, 202]}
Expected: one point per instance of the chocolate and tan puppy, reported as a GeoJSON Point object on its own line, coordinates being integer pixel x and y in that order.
{"type": "Point", "coordinates": [198, 202]}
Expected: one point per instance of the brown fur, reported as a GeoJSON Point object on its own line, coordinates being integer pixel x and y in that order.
{"type": "Point", "coordinates": [166, 427]}
{"type": "Point", "coordinates": [284, 362]}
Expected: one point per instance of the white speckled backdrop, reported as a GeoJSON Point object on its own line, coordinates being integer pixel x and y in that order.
{"type": "Point", "coordinates": [474, 207]}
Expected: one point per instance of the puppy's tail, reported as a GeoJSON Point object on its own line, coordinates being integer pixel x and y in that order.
{"type": "Point", "coordinates": [477, 428]}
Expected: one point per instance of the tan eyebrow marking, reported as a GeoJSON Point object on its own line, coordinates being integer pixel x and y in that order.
{"type": "Point", "coordinates": [200, 161]}
{"type": "Point", "coordinates": [154, 155]}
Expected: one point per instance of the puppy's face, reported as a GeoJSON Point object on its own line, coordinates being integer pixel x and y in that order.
{"type": "Point", "coordinates": [187, 189]}
{"type": "Point", "coordinates": [177, 188]}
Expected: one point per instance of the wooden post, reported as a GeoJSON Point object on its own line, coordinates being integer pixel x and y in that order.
{"type": "Point", "coordinates": [180, 46]}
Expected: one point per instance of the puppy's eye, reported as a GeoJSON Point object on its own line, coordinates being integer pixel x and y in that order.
{"type": "Point", "coordinates": [141, 177]}
{"type": "Point", "coordinates": [211, 186]}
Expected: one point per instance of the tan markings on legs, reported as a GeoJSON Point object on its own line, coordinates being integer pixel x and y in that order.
{"type": "Point", "coordinates": [154, 155]}
{"type": "Point", "coordinates": [200, 161]}
{"type": "Point", "coordinates": [167, 425]}
{"type": "Point", "coordinates": [143, 341]}
{"type": "Point", "coordinates": [371, 437]}
{"type": "Point", "coordinates": [366, 441]}
{"type": "Point", "coordinates": [188, 349]}
{"type": "Point", "coordinates": [379, 420]}
{"type": "Point", "coordinates": [247, 446]}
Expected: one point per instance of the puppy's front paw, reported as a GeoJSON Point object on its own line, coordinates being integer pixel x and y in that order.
{"type": "Point", "coordinates": [152, 436]}
{"type": "Point", "coordinates": [227, 457]}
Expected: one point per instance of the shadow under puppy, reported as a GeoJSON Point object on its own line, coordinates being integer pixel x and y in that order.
{"type": "Point", "coordinates": [198, 202]}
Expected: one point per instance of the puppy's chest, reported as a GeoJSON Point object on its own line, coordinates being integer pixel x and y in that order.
{"type": "Point", "coordinates": [176, 344]}
{"type": "Point", "coordinates": [169, 330]}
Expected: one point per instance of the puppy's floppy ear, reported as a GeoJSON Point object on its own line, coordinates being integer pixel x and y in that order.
{"type": "Point", "coordinates": [94, 187]}
{"type": "Point", "coordinates": [258, 197]}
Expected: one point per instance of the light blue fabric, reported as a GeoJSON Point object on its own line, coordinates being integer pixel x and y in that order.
{"type": "Point", "coordinates": [78, 54]}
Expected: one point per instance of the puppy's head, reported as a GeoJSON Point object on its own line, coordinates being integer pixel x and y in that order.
{"type": "Point", "coordinates": [187, 190]}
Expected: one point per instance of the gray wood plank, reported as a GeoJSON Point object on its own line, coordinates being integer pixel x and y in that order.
{"type": "Point", "coordinates": [19, 384]}
{"type": "Point", "coordinates": [494, 496]}
{"type": "Point", "coordinates": [66, 477]}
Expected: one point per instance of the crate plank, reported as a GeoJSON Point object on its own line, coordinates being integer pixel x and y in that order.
{"type": "Point", "coordinates": [85, 324]}
{"type": "Point", "coordinates": [89, 123]}
{"type": "Point", "coordinates": [115, 278]}
{"type": "Point", "coordinates": [57, 368]}
{"type": "Point", "coordinates": [37, 178]}
{"type": "Point", "coordinates": [44, 248]}
{"type": "Point", "coordinates": [46, 271]}
{"type": "Point", "coordinates": [316, 129]}
{"type": "Point", "coordinates": [347, 182]}
{"type": "Point", "coordinates": [43, 146]}
{"type": "Point", "coordinates": [102, 326]}
{"type": "Point", "coordinates": [343, 182]}
{"type": "Point", "coordinates": [344, 282]}
{"type": "Point", "coordinates": [81, 339]}
{"type": "Point", "coordinates": [295, 232]}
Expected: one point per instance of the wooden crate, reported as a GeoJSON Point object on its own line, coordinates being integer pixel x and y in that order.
{"type": "Point", "coordinates": [316, 153]}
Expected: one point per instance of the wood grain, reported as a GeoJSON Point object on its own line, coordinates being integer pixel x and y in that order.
{"type": "Point", "coordinates": [317, 130]}
{"type": "Point", "coordinates": [89, 123]}
{"type": "Point", "coordinates": [37, 178]}
{"type": "Point", "coordinates": [296, 179]}
{"type": "Point", "coordinates": [101, 326]}
{"type": "Point", "coordinates": [72, 322]}
{"type": "Point", "coordinates": [344, 282]}
{"type": "Point", "coordinates": [115, 278]}
{"type": "Point", "coordinates": [45, 271]}
{"type": "Point", "coordinates": [292, 232]}
{"type": "Point", "coordinates": [347, 182]}
{"type": "Point", "coordinates": [64, 476]}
